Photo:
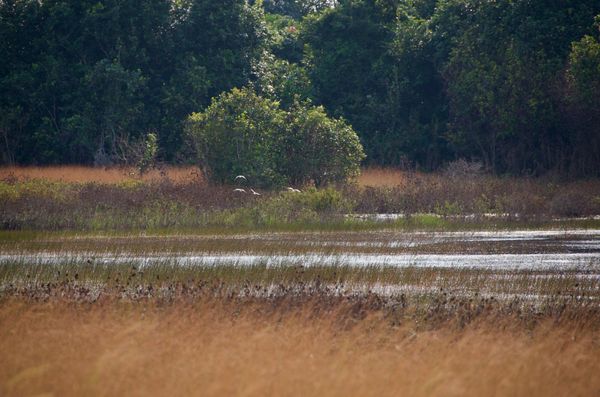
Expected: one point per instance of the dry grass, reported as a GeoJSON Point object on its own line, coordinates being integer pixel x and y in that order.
{"type": "Point", "coordinates": [83, 174]}
{"type": "Point", "coordinates": [382, 177]}
{"type": "Point", "coordinates": [218, 348]}
{"type": "Point", "coordinates": [372, 176]}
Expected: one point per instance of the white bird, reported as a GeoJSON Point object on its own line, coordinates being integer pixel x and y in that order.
{"type": "Point", "coordinates": [254, 193]}
{"type": "Point", "coordinates": [240, 177]}
{"type": "Point", "coordinates": [291, 189]}
{"type": "Point", "coordinates": [239, 190]}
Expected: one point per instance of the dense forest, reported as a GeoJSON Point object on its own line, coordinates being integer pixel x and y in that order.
{"type": "Point", "coordinates": [513, 84]}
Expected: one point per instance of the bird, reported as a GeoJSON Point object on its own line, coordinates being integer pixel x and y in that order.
{"type": "Point", "coordinates": [239, 190]}
{"type": "Point", "coordinates": [240, 177]}
{"type": "Point", "coordinates": [291, 189]}
{"type": "Point", "coordinates": [254, 192]}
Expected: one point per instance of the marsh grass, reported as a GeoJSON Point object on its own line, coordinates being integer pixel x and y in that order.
{"type": "Point", "coordinates": [322, 242]}
{"type": "Point", "coordinates": [86, 280]}
{"type": "Point", "coordinates": [101, 175]}
{"type": "Point", "coordinates": [427, 201]}
{"type": "Point", "coordinates": [316, 347]}
{"type": "Point", "coordinates": [114, 312]}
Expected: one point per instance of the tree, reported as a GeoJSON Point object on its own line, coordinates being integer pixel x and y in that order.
{"type": "Point", "coordinates": [318, 148]}
{"type": "Point", "coordinates": [78, 77]}
{"type": "Point", "coordinates": [237, 135]}
{"type": "Point", "coordinates": [346, 53]}
{"type": "Point", "coordinates": [583, 103]}
{"type": "Point", "coordinates": [297, 8]}
{"type": "Point", "coordinates": [241, 133]}
{"type": "Point", "coordinates": [282, 81]}
{"type": "Point", "coordinates": [502, 64]}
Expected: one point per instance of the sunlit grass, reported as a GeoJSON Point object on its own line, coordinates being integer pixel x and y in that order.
{"type": "Point", "coordinates": [112, 175]}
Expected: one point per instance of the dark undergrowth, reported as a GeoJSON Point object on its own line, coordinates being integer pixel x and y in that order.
{"type": "Point", "coordinates": [425, 201]}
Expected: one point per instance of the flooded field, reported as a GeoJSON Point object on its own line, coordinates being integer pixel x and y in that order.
{"type": "Point", "coordinates": [550, 249]}
{"type": "Point", "coordinates": [502, 264]}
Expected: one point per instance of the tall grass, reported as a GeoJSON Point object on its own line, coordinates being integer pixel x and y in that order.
{"type": "Point", "coordinates": [83, 174]}
{"type": "Point", "coordinates": [452, 194]}
{"type": "Point", "coordinates": [425, 200]}
{"type": "Point", "coordinates": [256, 349]}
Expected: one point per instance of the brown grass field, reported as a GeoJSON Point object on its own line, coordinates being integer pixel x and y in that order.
{"type": "Point", "coordinates": [83, 174]}
{"type": "Point", "coordinates": [219, 349]}
{"type": "Point", "coordinates": [374, 176]}
{"type": "Point", "coordinates": [381, 177]}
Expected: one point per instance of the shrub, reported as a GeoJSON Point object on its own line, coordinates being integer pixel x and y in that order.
{"type": "Point", "coordinates": [236, 135]}
{"type": "Point", "coordinates": [148, 159]}
{"type": "Point", "coordinates": [320, 149]}
{"type": "Point", "coordinates": [243, 133]}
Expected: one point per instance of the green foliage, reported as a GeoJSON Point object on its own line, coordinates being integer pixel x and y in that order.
{"type": "Point", "coordinates": [242, 133]}
{"type": "Point", "coordinates": [149, 155]}
{"type": "Point", "coordinates": [284, 35]}
{"type": "Point", "coordinates": [511, 84]}
{"type": "Point", "coordinates": [237, 135]}
{"type": "Point", "coordinates": [583, 93]}
{"type": "Point", "coordinates": [297, 8]}
{"type": "Point", "coordinates": [318, 148]}
{"type": "Point", "coordinates": [38, 188]}
{"type": "Point", "coordinates": [584, 69]}
{"type": "Point", "coordinates": [309, 207]}
{"type": "Point", "coordinates": [429, 81]}
{"type": "Point", "coordinates": [87, 77]}
{"type": "Point", "coordinates": [347, 62]}
{"type": "Point", "coordinates": [282, 81]}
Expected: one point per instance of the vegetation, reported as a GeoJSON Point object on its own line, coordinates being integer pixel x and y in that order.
{"type": "Point", "coordinates": [108, 320]}
{"type": "Point", "coordinates": [225, 241]}
{"type": "Point", "coordinates": [244, 134]}
{"type": "Point", "coordinates": [510, 84]}
{"type": "Point", "coordinates": [319, 348]}
{"type": "Point", "coordinates": [112, 274]}
{"type": "Point", "coordinates": [186, 202]}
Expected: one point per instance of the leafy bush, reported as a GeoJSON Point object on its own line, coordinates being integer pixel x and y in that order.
{"type": "Point", "coordinates": [318, 148]}
{"type": "Point", "coordinates": [149, 156]}
{"type": "Point", "coordinates": [237, 134]}
{"type": "Point", "coordinates": [243, 133]}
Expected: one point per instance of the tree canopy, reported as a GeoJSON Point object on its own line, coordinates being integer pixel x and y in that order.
{"type": "Point", "coordinates": [511, 84]}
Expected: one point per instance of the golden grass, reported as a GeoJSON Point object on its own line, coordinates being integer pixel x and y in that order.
{"type": "Point", "coordinates": [371, 176]}
{"type": "Point", "coordinates": [218, 349]}
{"type": "Point", "coordinates": [382, 177]}
{"type": "Point", "coordinates": [82, 174]}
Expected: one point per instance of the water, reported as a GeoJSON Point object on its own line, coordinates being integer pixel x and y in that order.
{"type": "Point", "coordinates": [556, 250]}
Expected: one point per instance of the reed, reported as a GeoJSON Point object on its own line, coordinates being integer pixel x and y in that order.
{"type": "Point", "coordinates": [218, 348]}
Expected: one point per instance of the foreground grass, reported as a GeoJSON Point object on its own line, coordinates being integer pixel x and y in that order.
{"type": "Point", "coordinates": [215, 348]}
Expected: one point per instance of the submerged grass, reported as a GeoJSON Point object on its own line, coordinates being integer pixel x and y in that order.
{"type": "Point", "coordinates": [163, 279]}
{"type": "Point", "coordinates": [321, 242]}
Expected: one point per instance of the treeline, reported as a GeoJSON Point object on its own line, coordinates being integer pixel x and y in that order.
{"type": "Point", "coordinates": [514, 84]}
